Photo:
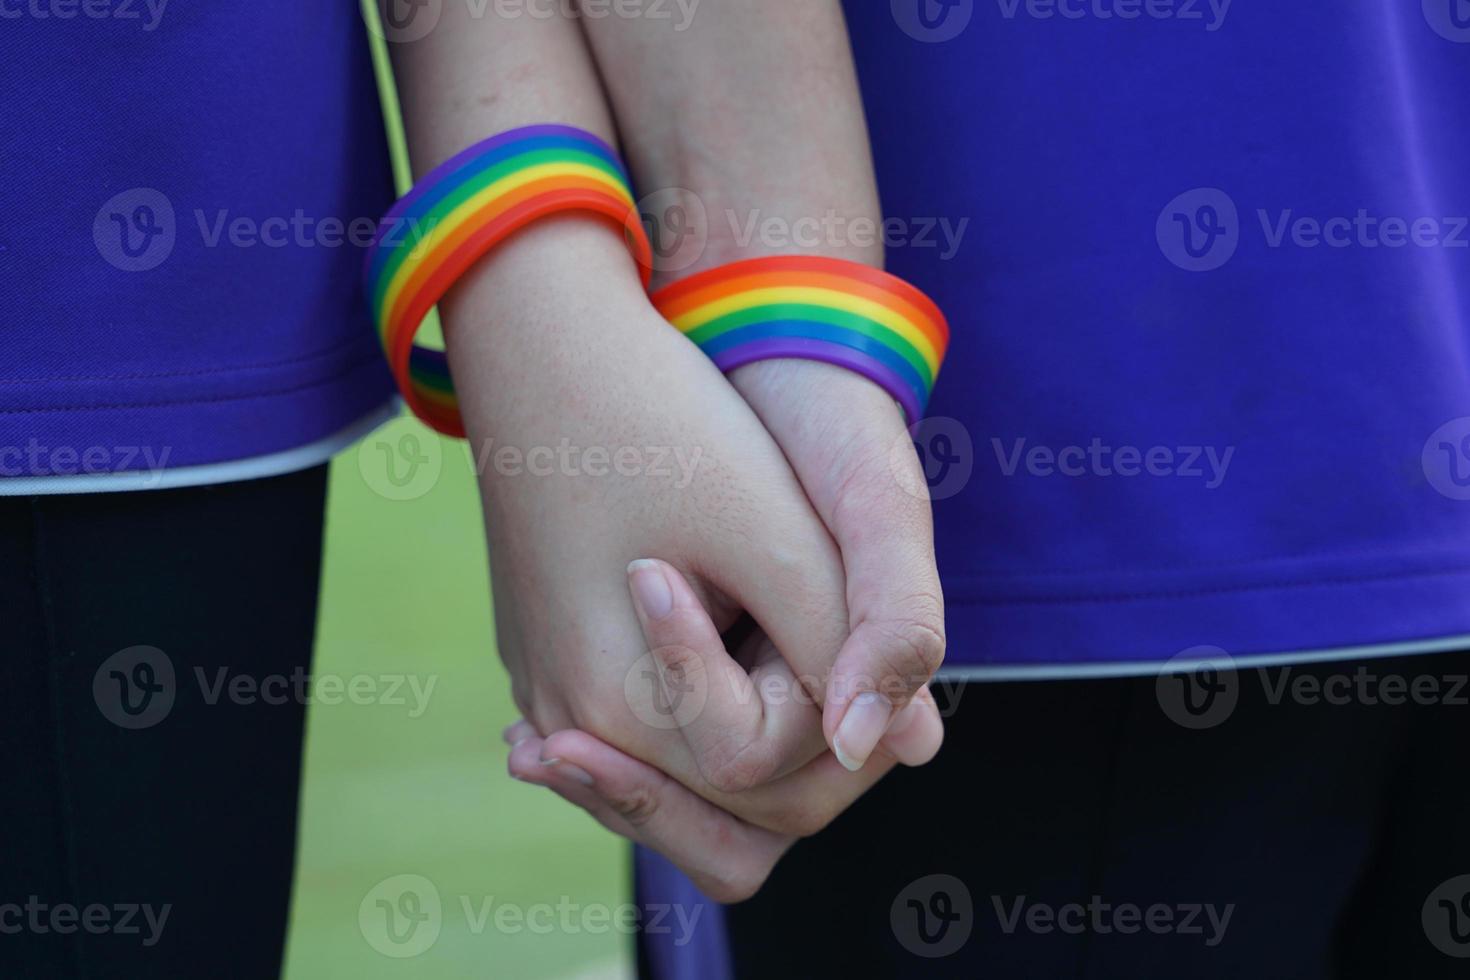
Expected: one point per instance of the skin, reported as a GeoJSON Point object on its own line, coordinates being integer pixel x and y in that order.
{"type": "Point", "coordinates": [791, 517]}
{"type": "Point", "coordinates": [748, 116]}
{"type": "Point", "coordinates": [728, 856]}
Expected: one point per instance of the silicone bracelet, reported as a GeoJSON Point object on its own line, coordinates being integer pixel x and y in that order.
{"type": "Point", "coordinates": [819, 309]}
{"type": "Point", "coordinates": [773, 330]}
{"type": "Point", "coordinates": [459, 212]}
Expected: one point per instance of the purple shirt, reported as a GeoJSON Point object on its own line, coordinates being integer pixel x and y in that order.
{"type": "Point", "coordinates": [1207, 268]}
{"type": "Point", "coordinates": [178, 267]}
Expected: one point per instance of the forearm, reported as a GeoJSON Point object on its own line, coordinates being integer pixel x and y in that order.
{"type": "Point", "coordinates": [474, 76]}
{"type": "Point", "coordinates": [470, 78]}
{"type": "Point", "coordinates": [750, 117]}
{"type": "Point", "coordinates": [755, 112]}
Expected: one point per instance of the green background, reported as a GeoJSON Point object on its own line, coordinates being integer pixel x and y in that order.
{"type": "Point", "coordinates": [405, 591]}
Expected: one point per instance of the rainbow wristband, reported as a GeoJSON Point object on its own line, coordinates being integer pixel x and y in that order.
{"type": "Point", "coordinates": [460, 211]}
{"type": "Point", "coordinates": [818, 309]}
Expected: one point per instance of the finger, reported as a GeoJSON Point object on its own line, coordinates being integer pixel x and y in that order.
{"type": "Point", "coordinates": [791, 703]}
{"type": "Point", "coordinates": [894, 598]}
{"type": "Point", "coordinates": [772, 676]}
{"type": "Point", "coordinates": [795, 591]}
{"type": "Point", "coordinates": [917, 732]}
{"type": "Point", "coordinates": [805, 802]}
{"type": "Point", "coordinates": [742, 776]}
{"type": "Point", "coordinates": [743, 729]}
{"type": "Point", "coordinates": [797, 805]}
{"type": "Point", "coordinates": [726, 858]}
{"type": "Point", "coordinates": [518, 732]}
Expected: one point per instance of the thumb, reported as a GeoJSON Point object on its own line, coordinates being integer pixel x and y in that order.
{"type": "Point", "coordinates": [741, 733]}
{"type": "Point", "coordinates": [895, 606]}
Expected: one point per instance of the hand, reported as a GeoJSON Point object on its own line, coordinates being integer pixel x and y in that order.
{"type": "Point", "coordinates": [726, 856]}
{"type": "Point", "coordinates": [669, 461]}
{"type": "Point", "coordinates": [847, 441]}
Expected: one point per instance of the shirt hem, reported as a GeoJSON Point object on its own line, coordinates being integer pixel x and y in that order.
{"type": "Point", "coordinates": [231, 471]}
{"type": "Point", "coordinates": [1338, 611]}
{"type": "Point", "coordinates": [1190, 664]}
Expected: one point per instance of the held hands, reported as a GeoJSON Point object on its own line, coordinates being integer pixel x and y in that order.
{"type": "Point", "coordinates": [783, 508]}
{"type": "Point", "coordinates": [845, 632]}
{"type": "Point", "coordinates": [727, 849]}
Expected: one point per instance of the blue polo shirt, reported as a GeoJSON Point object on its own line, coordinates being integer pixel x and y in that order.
{"type": "Point", "coordinates": [186, 188]}
{"type": "Point", "coordinates": [1205, 261]}
{"type": "Point", "coordinates": [1207, 267]}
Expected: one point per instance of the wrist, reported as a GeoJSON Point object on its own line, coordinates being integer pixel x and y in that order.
{"type": "Point", "coordinates": [459, 213]}
{"type": "Point", "coordinates": [536, 279]}
{"type": "Point", "coordinates": [814, 308]}
{"type": "Point", "coordinates": [795, 389]}
{"type": "Point", "coordinates": [827, 420]}
{"type": "Point", "coordinates": [693, 232]}
{"type": "Point", "coordinates": [539, 323]}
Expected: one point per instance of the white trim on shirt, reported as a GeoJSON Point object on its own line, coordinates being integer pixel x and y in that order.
{"type": "Point", "coordinates": [233, 471]}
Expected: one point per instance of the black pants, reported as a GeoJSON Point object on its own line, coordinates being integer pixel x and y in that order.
{"type": "Point", "coordinates": [149, 798]}
{"type": "Point", "coordinates": [1078, 831]}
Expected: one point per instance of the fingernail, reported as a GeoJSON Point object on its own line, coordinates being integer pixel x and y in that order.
{"type": "Point", "coordinates": [863, 725]}
{"type": "Point", "coordinates": [650, 588]}
{"type": "Point", "coordinates": [570, 771]}
{"type": "Point", "coordinates": [517, 733]}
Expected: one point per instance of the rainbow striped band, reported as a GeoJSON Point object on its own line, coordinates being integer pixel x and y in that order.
{"type": "Point", "coordinates": [460, 211]}
{"type": "Point", "coordinates": [817, 309]}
